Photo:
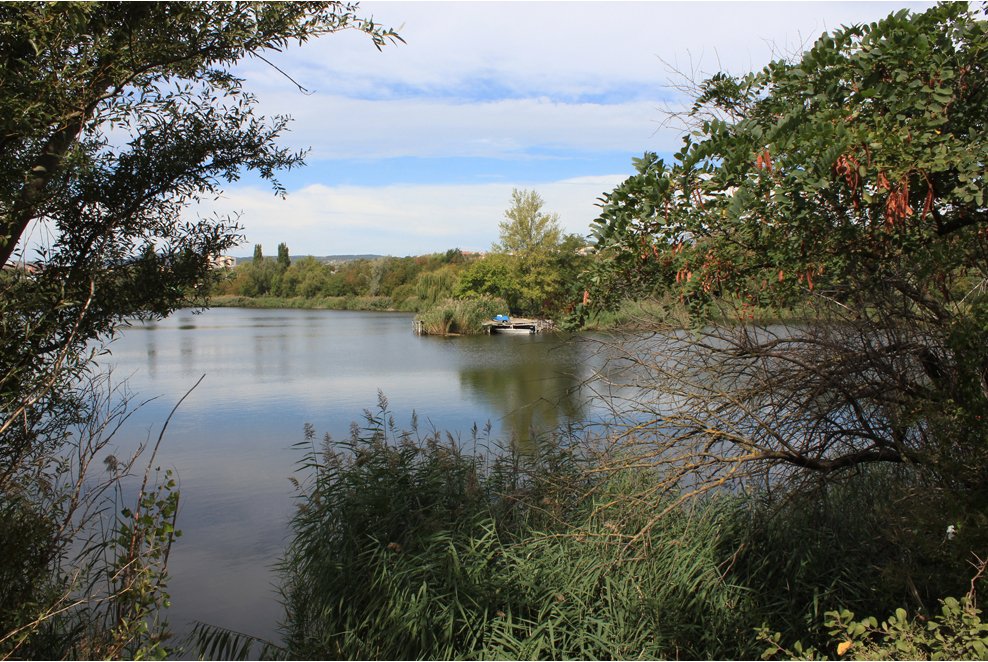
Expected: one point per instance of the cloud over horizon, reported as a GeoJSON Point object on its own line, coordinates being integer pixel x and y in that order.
{"type": "Point", "coordinates": [398, 219]}
{"type": "Point", "coordinates": [416, 148]}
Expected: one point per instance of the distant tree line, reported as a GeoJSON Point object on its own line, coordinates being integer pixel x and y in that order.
{"type": "Point", "coordinates": [404, 280]}
{"type": "Point", "coordinates": [534, 269]}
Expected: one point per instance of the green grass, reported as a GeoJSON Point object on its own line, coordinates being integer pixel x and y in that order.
{"type": "Point", "coordinates": [412, 548]}
{"type": "Point", "coordinates": [418, 545]}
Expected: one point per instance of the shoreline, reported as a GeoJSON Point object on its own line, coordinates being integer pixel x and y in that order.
{"type": "Point", "coordinates": [351, 303]}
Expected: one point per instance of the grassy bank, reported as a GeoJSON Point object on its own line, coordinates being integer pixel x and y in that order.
{"type": "Point", "coordinates": [451, 316]}
{"type": "Point", "coordinates": [309, 303]}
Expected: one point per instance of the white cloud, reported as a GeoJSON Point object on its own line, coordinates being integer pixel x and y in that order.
{"type": "Point", "coordinates": [399, 219]}
{"type": "Point", "coordinates": [564, 47]}
{"type": "Point", "coordinates": [497, 80]}
{"type": "Point", "coordinates": [338, 127]}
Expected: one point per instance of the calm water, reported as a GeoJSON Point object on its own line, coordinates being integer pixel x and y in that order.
{"type": "Point", "coordinates": [267, 373]}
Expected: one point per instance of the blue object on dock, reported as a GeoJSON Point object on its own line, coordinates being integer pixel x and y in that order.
{"type": "Point", "coordinates": [501, 318]}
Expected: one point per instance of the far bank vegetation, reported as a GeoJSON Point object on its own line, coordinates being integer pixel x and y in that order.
{"type": "Point", "coordinates": [534, 270]}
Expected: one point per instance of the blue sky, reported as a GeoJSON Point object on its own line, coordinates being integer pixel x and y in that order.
{"type": "Point", "coordinates": [416, 149]}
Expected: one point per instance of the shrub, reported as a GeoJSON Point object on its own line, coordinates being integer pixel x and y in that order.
{"type": "Point", "coordinates": [957, 633]}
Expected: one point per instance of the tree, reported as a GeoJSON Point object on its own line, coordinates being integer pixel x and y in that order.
{"type": "Point", "coordinates": [434, 286]}
{"type": "Point", "coordinates": [73, 75]}
{"type": "Point", "coordinates": [495, 275]}
{"type": "Point", "coordinates": [526, 230]}
{"type": "Point", "coordinates": [530, 243]}
{"type": "Point", "coordinates": [284, 261]}
{"type": "Point", "coordinates": [115, 116]}
{"type": "Point", "coordinates": [849, 189]}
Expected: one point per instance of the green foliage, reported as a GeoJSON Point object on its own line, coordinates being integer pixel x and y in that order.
{"type": "Point", "coordinates": [215, 643]}
{"type": "Point", "coordinates": [957, 633]}
{"type": "Point", "coordinates": [534, 267]}
{"type": "Point", "coordinates": [858, 164]}
{"type": "Point", "coordinates": [382, 304]}
{"type": "Point", "coordinates": [849, 187]}
{"type": "Point", "coordinates": [374, 568]}
{"type": "Point", "coordinates": [305, 277]}
{"type": "Point", "coordinates": [527, 231]}
{"type": "Point", "coordinates": [866, 543]}
{"type": "Point", "coordinates": [89, 574]}
{"type": "Point", "coordinates": [607, 589]}
{"type": "Point", "coordinates": [431, 287]}
{"type": "Point", "coordinates": [408, 283]}
{"type": "Point", "coordinates": [284, 260]}
{"type": "Point", "coordinates": [495, 275]}
{"type": "Point", "coordinates": [138, 578]}
{"type": "Point", "coordinates": [544, 280]}
{"type": "Point", "coordinates": [28, 545]}
{"type": "Point", "coordinates": [408, 546]}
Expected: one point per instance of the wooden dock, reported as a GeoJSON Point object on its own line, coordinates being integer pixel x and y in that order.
{"type": "Point", "coordinates": [518, 325]}
{"type": "Point", "coordinates": [514, 325]}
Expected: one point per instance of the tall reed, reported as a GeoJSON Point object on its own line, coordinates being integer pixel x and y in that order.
{"type": "Point", "coordinates": [407, 547]}
{"type": "Point", "coordinates": [460, 316]}
{"type": "Point", "coordinates": [412, 545]}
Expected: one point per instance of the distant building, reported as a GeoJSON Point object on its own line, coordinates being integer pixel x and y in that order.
{"type": "Point", "coordinates": [223, 262]}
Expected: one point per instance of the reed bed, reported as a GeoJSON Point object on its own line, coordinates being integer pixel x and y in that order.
{"type": "Point", "coordinates": [417, 545]}
{"type": "Point", "coordinates": [460, 316]}
{"type": "Point", "coordinates": [420, 546]}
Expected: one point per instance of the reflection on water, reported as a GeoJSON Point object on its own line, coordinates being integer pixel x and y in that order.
{"type": "Point", "coordinates": [533, 383]}
{"type": "Point", "coordinates": [270, 372]}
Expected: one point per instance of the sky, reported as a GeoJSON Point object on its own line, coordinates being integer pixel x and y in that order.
{"type": "Point", "coordinates": [416, 149]}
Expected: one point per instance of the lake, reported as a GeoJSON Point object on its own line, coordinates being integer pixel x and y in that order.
{"type": "Point", "coordinates": [269, 372]}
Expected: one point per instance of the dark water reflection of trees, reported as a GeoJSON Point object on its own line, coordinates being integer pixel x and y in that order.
{"type": "Point", "coordinates": [537, 389]}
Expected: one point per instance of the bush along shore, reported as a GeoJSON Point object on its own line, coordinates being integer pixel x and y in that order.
{"type": "Point", "coordinates": [534, 271]}
{"type": "Point", "coordinates": [460, 316]}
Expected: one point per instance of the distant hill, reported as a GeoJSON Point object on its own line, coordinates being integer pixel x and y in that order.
{"type": "Point", "coordinates": [341, 258]}
{"type": "Point", "coordinates": [329, 259]}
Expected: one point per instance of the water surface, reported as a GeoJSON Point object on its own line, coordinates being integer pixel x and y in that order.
{"type": "Point", "coordinates": [267, 373]}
